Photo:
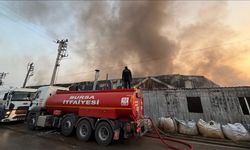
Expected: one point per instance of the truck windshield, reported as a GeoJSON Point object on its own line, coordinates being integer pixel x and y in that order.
{"type": "Point", "coordinates": [22, 96]}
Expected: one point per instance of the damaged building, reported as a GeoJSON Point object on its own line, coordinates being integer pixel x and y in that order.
{"type": "Point", "coordinates": [185, 97]}
{"type": "Point", "coordinates": [221, 104]}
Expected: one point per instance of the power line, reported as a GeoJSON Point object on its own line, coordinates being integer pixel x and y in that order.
{"type": "Point", "coordinates": [214, 46]}
{"type": "Point", "coordinates": [17, 19]}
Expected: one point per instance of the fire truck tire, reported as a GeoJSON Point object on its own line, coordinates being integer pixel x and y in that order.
{"type": "Point", "coordinates": [68, 124]}
{"type": "Point", "coordinates": [84, 130]}
{"type": "Point", "coordinates": [104, 133]}
{"type": "Point", "coordinates": [31, 121]}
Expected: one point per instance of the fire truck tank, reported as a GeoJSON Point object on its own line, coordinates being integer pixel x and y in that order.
{"type": "Point", "coordinates": [124, 104]}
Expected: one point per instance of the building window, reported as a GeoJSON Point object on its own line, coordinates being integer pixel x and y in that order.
{"type": "Point", "coordinates": [245, 104]}
{"type": "Point", "coordinates": [194, 104]}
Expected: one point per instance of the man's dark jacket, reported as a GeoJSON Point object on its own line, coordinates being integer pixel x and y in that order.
{"type": "Point", "coordinates": [126, 75]}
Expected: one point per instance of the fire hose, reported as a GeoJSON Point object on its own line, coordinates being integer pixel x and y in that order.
{"type": "Point", "coordinates": [164, 139]}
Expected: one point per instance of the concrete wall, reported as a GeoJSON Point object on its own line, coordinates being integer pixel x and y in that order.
{"type": "Point", "coordinates": [219, 104]}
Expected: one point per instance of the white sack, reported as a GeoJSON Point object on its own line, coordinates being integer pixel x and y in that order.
{"type": "Point", "coordinates": [167, 124]}
{"type": "Point", "coordinates": [210, 129]}
{"type": "Point", "coordinates": [187, 127]}
{"type": "Point", "coordinates": [236, 132]}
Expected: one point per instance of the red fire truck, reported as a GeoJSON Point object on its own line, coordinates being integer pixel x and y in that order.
{"type": "Point", "coordinates": [106, 114]}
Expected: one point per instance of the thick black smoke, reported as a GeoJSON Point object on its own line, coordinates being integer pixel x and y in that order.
{"type": "Point", "coordinates": [128, 33]}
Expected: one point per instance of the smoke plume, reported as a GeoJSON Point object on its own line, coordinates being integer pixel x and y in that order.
{"type": "Point", "coordinates": [129, 34]}
{"type": "Point", "coordinates": [107, 35]}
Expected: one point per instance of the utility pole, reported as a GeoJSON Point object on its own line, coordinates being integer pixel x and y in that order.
{"type": "Point", "coordinates": [2, 76]}
{"type": "Point", "coordinates": [30, 73]}
{"type": "Point", "coordinates": [62, 52]}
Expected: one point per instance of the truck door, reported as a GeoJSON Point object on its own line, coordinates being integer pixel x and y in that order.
{"type": "Point", "coordinates": [7, 99]}
{"type": "Point", "coordinates": [35, 102]}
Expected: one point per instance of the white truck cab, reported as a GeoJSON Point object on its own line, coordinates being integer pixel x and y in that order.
{"type": "Point", "coordinates": [16, 103]}
{"type": "Point", "coordinates": [43, 93]}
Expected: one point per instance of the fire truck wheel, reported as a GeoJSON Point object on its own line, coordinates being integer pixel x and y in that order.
{"type": "Point", "coordinates": [31, 121]}
{"type": "Point", "coordinates": [84, 130]}
{"type": "Point", "coordinates": [103, 133]}
{"type": "Point", "coordinates": [67, 125]}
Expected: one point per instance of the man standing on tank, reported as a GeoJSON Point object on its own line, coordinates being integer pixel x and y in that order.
{"type": "Point", "coordinates": [126, 77]}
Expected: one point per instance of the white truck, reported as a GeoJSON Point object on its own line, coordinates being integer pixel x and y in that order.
{"type": "Point", "coordinates": [16, 103]}
{"type": "Point", "coordinates": [43, 93]}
